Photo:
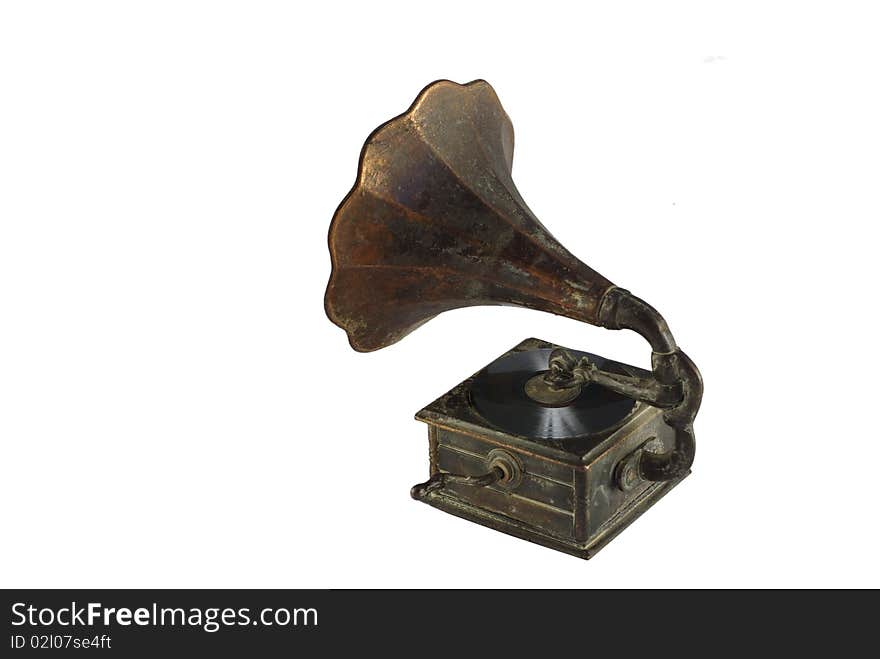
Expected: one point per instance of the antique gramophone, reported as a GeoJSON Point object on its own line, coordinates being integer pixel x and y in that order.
{"type": "Point", "coordinates": [552, 445]}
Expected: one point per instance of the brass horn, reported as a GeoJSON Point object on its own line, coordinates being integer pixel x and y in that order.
{"type": "Point", "coordinates": [434, 222]}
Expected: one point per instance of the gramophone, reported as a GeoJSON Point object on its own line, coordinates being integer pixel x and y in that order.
{"type": "Point", "coordinates": [560, 447]}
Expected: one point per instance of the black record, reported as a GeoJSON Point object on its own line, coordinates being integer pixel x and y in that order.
{"type": "Point", "coordinates": [499, 395]}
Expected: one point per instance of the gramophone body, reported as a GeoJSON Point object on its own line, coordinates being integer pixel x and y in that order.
{"type": "Point", "coordinates": [573, 495]}
{"type": "Point", "coordinates": [548, 444]}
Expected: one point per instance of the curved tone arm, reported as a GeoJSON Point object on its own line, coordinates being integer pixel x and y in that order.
{"type": "Point", "coordinates": [676, 386]}
{"type": "Point", "coordinates": [567, 372]}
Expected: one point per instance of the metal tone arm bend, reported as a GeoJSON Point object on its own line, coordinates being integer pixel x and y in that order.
{"type": "Point", "coordinates": [675, 386]}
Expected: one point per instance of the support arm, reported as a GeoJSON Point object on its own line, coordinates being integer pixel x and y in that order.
{"type": "Point", "coordinates": [676, 385]}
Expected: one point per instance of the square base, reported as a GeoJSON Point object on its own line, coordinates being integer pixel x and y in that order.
{"type": "Point", "coordinates": [565, 494]}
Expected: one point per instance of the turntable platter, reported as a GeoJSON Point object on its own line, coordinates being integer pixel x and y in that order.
{"type": "Point", "coordinates": [498, 394]}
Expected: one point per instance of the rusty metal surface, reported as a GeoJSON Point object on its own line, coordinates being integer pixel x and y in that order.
{"type": "Point", "coordinates": [572, 495]}
{"type": "Point", "coordinates": [434, 222]}
{"type": "Point", "coordinates": [455, 410]}
{"type": "Point", "coordinates": [585, 549]}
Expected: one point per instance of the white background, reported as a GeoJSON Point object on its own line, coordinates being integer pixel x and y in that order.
{"type": "Point", "coordinates": [175, 408]}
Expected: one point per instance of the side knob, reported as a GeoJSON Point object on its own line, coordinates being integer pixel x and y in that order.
{"type": "Point", "coordinates": [510, 466]}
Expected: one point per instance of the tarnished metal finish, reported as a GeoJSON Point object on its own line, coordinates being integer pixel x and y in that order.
{"type": "Point", "coordinates": [434, 222]}
{"type": "Point", "coordinates": [676, 384]}
{"type": "Point", "coordinates": [442, 479]}
{"type": "Point", "coordinates": [504, 469]}
{"type": "Point", "coordinates": [573, 495]}
{"type": "Point", "coordinates": [569, 374]}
